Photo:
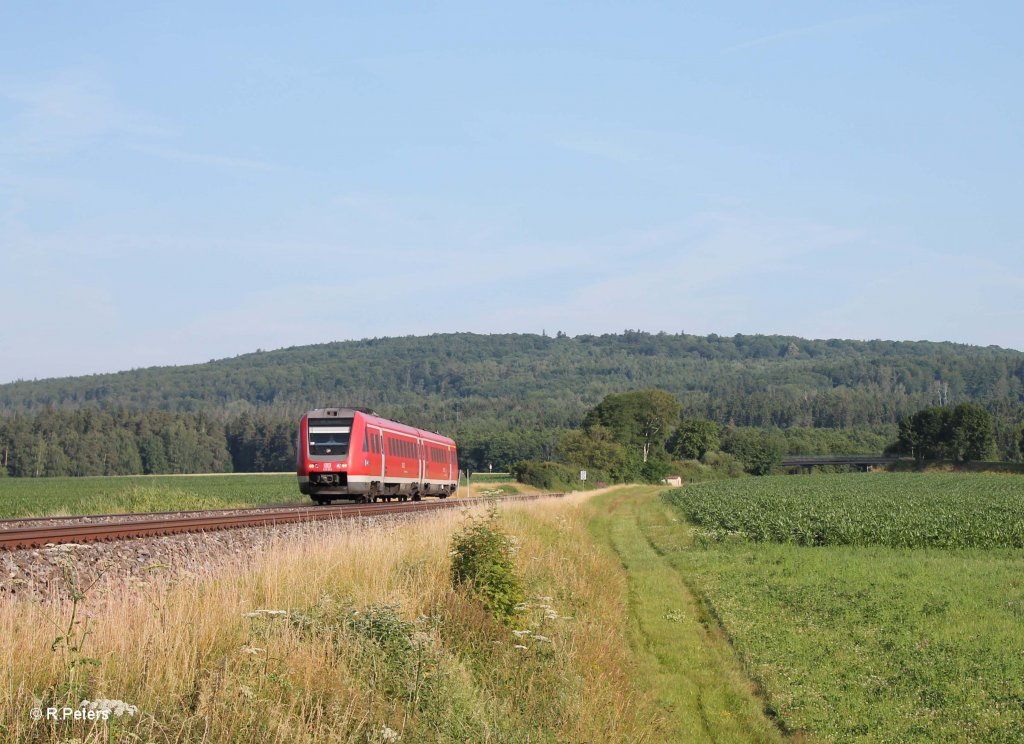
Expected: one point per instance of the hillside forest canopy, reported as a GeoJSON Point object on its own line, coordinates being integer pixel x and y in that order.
{"type": "Point", "coordinates": [508, 398]}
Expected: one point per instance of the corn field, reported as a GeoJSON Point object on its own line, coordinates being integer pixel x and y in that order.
{"type": "Point", "coordinates": [905, 510]}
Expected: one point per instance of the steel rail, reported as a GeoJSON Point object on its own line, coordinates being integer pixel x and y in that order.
{"type": "Point", "coordinates": [43, 536]}
{"type": "Point", "coordinates": [14, 522]}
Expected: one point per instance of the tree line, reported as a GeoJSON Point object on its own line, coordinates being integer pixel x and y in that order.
{"type": "Point", "coordinates": [505, 398]}
{"type": "Point", "coordinates": [960, 433]}
{"type": "Point", "coordinates": [638, 436]}
{"type": "Point", "coordinates": [90, 441]}
{"type": "Point", "coordinates": [641, 435]}
{"type": "Point", "coordinates": [511, 381]}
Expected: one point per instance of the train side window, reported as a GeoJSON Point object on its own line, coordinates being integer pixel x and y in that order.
{"type": "Point", "coordinates": [366, 442]}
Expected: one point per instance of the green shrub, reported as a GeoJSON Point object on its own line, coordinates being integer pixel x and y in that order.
{"type": "Point", "coordinates": [725, 464]}
{"type": "Point", "coordinates": [759, 451]}
{"type": "Point", "coordinates": [482, 564]}
{"type": "Point", "coordinates": [549, 475]}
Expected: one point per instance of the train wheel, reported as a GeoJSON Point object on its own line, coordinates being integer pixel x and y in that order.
{"type": "Point", "coordinates": [416, 496]}
{"type": "Point", "coordinates": [323, 502]}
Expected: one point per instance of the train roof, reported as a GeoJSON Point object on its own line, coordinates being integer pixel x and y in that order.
{"type": "Point", "coordinates": [373, 417]}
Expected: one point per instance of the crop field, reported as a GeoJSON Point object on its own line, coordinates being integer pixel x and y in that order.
{"type": "Point", "coordinates": [912, 510]}
{"type": "Point", "coordinates": [881, 607]}
{"type": "Point", "coordinates": [25, 497]}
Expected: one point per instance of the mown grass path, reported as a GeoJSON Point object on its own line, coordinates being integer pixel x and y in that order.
{"type": "Point", "coordinates": [685, 663]}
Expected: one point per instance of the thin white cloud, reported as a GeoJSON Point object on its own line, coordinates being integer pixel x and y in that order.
{"type": "Point", "coordinates": [219, 161]}
{"type": "Point", "coordinates": [66, 111]}
{"type": "Point", "coordinates": [839, 25]}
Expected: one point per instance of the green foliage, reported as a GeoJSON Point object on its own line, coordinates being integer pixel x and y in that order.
{"type": "Point", "coordinates": [922, 434]}
{"type": "Point", "coordinates": [641, 421]}
{"type": "Point", "coordinates": [858, 440]}
{"type": "Point", "coordinates": [759, 451]}
{"type": "Point", "coordinates": [482, 564]}
{"type": "Point", "coordinates": [399, 655]}
{"type": "Point", "coordinates": [970, 432]}
{"type": "Point", "coordinates": [936, 510]}
{"type": "Point", "coordinates": [593, 448]}
{"type": "Point", "coordinates": [961, 433]}
{"type": "Point", "coordinates": [551, 476]}
{"type": "Point", "coordinates": [726, 465]}
{"type": "Point", "coordinates": [503, 397]}
{"type": "Point", "coordinates": [694, 438]}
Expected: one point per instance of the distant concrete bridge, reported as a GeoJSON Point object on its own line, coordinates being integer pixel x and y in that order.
{"type": "Point", "coordinates": [807, 463]}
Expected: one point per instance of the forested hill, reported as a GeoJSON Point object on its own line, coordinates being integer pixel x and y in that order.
{"type": "Point", "coordinates": [469, 382]}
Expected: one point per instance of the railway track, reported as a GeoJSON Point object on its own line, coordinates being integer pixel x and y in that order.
{"type": "Point", "coordinates": [14, 537]}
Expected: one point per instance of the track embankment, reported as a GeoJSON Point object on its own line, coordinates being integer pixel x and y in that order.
{"type": "Point", "coordinates": [123, 549]}
{"type": "Point", "coordinates": [18, 534]}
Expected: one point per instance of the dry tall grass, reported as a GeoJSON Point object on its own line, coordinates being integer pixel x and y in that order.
{"type": "Point", "coordinates": [362, 639]}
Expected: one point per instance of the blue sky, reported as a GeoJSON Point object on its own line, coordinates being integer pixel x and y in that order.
{"type": "Point", "coordinates": [188, 182]}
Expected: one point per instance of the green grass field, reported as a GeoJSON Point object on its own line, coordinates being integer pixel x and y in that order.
{"type": "Point", "coordinates": [27, 497]}
{"type": "Point", "coordinates": [852, 635]}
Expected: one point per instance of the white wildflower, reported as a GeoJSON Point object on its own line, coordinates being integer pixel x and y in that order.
{"type": "Point", "coordinates": [521, 648]}
{"type": "Point", "coordinates": [117, 707]}
{"type": "Point", "coordinates": [252, 650]}
{"type": "Point", "coordinates": [545, 639]}
{"type": "Point", "coordinates": [266, 613]}
{"type": "Point", "coordinates": [389, 734]}
{"type": "Point", "coordinates": [521, 633]}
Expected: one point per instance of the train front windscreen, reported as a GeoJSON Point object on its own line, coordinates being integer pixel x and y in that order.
{"type": "Point", "coordinates": [329, 437]}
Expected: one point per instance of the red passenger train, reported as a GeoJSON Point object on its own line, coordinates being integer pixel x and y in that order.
{"type": "Point", "coordinates": [351, 453]}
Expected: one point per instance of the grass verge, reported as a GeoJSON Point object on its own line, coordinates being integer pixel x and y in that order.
{"type": "Point", "coordinates": [689, 668]}
{"type": "Point", "coordinates": [351, 636]}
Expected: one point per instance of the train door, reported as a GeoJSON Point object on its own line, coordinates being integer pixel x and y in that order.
{"type": "Point", "coordinates": [421, 452]}
{"type": "Point", "coordinates": [374, 456]}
